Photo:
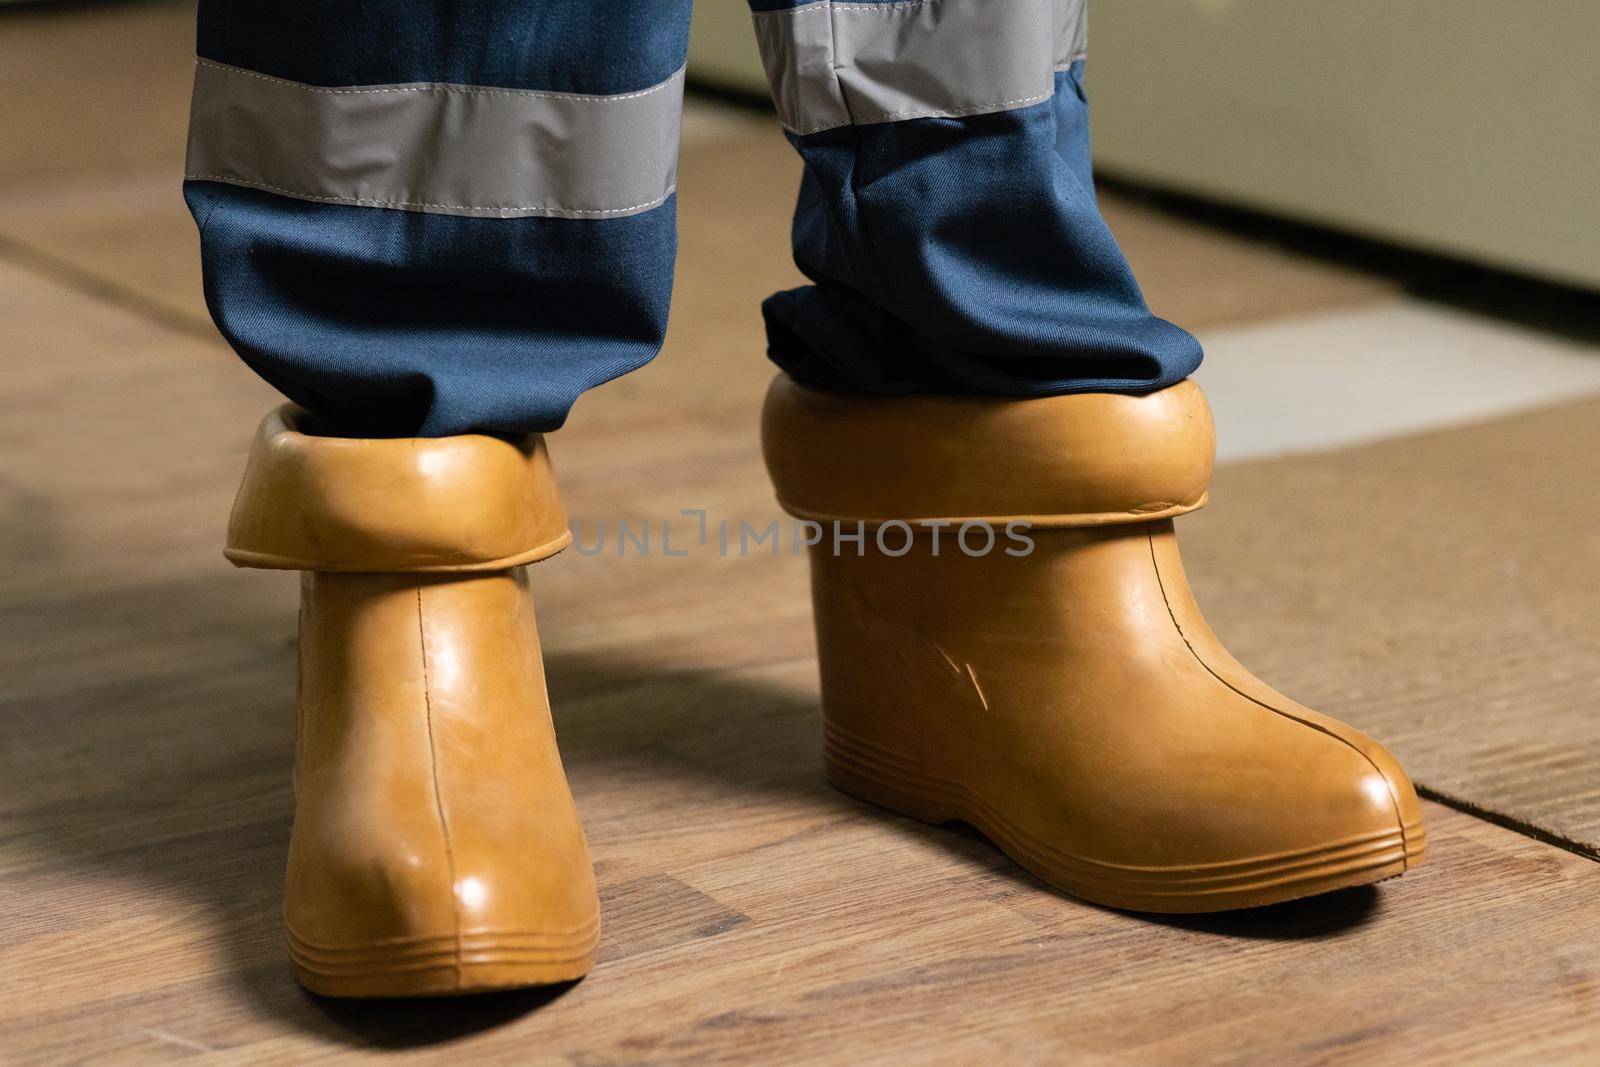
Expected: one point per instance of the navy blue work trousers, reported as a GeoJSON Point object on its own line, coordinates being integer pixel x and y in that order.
{"type": "Point", "coordinates": [429, 217]}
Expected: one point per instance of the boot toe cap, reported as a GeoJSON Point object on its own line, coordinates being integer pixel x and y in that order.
{"type": "Point", "coordinates": [1279, 809]}
{"type": "Point", "coordinates": [1321, 814]}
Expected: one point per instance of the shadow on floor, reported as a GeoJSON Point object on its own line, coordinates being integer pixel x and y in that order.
{"type": "Point", "coordinates": [762, 740]}
{"type": "Point", "coordinates": [423, 1021]}
{"type": "Point", "coordinates": [1293, 920]}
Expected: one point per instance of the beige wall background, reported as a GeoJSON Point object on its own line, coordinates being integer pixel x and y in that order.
{"type": "Point", "coordinates": [722, 46]}
{"type": "Point", "coordinates": [1470, 127]}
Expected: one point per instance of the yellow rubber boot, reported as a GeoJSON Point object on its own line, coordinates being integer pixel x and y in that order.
{"type": "Point", "coordinates": [436, 849]}
{"type": "Point", "coordinates": [1012, 643]}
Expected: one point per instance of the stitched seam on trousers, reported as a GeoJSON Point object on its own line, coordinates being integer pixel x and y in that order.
{"type": "Point", "coordinates": [446, 88]}
{"type": "Point", "coordinates": [438, 796]}
{"type": "Point", "coordinates": [373, 202]}
{"type": "Point", "coordinates": [807, 9]}
{"type": "Point", "coordinates": [929, 113]}
{"type": "Point", "coordinates": [1394, 801]}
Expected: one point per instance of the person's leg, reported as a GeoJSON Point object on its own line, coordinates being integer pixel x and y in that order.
{"type": "Point", "coordinates": [430, 218]}
{"type": "Point", "coordinates": [947, 214]}
{"type": "Point", "coordinates": [1004, 629]}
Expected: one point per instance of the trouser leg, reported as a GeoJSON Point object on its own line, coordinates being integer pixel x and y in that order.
{"type": "Point", "coordinates": [430, 218]}
{"type": "Point", "coordinates": [947, 215]}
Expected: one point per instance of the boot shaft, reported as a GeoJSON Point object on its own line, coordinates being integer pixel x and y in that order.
{"type": "Point", "coordinates": [393, 665]}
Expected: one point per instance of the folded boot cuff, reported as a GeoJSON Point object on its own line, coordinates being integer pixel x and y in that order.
{"type": "Point", "coordinates": [1087, 459]}
{"type": "Point", "coordinates": [466, 503]}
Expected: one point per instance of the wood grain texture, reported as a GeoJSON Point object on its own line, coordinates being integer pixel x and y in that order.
{"type": "Point", "coordinates": [752, 914]}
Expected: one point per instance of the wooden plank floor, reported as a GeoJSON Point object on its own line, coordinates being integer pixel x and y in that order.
{"type": "Point", "coordinates": [752, 914]}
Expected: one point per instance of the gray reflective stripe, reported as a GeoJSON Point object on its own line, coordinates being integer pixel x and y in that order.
{"type": "Point", "coordinates": [1072, 32]}
{"type": "Point", "coordinates": [448, 149]}
{"type": "Point", "coordinates": [833, 64]}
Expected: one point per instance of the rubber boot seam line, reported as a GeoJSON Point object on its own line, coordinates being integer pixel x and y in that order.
{"type": "Point", "coordinates": [1394, 801]}
{"type": "Point", "coordinates": [438, 795]}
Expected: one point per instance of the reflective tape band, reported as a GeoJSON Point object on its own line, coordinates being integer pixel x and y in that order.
{"type": "Point", "coordinates": [447, 149]}
{"type": "Point", "coordinates": [835, 64]}
{"type": "Point", "coordinates": [1072, 32]}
